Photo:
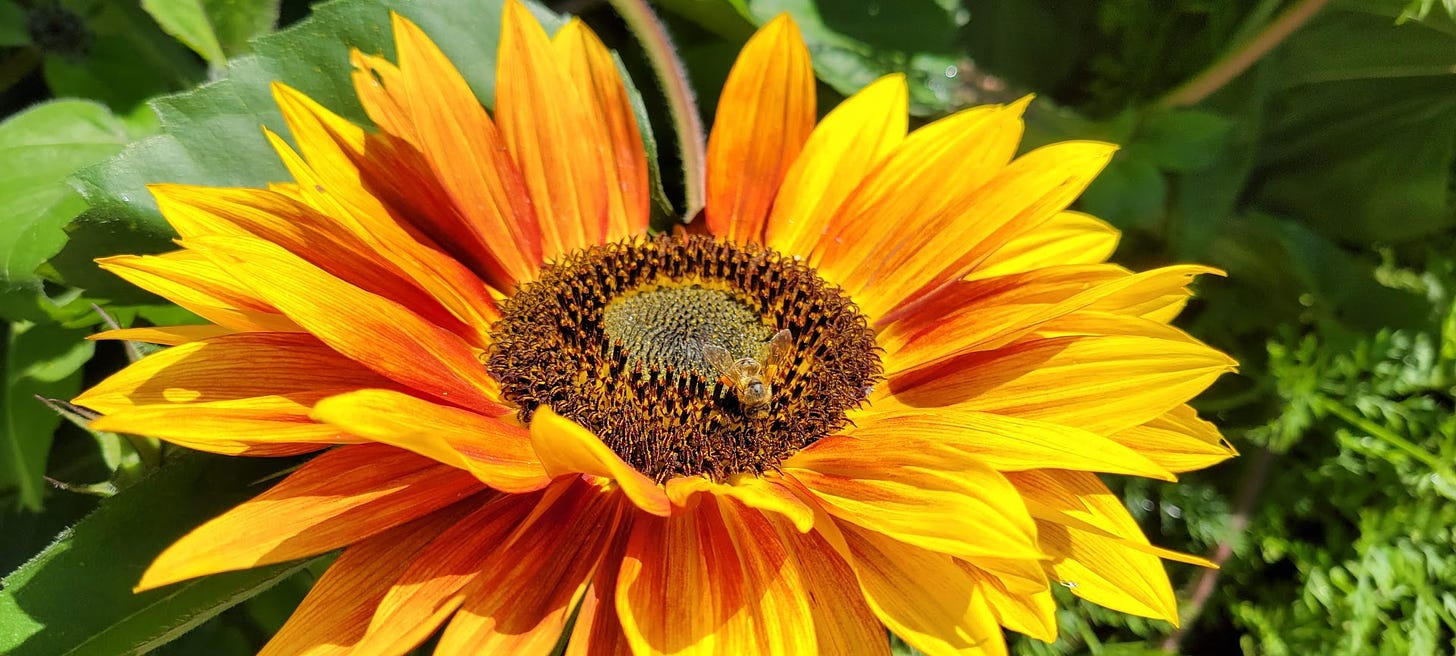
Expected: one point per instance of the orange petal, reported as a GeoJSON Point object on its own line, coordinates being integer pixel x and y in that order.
{"type": "Point", "coordinates": [598, 629]}
{"type": "Point", "coordinates": [565, 447]}
{"type": "Point", "coordinates": [431, 588]}
{"type": "Point", "coordinates": [559, 144]}
{"type": "Point", "coordinates": [1068, 238]}
{"type": "Point", "coordinates": [850, 142]}
{"type": "Point", "coordinates": [496, 452]}
{"type": "Point", "coordinates": [1007, 443]}
{"type": "Point", "coordinates": [1178, 441]}
{"type": "Point", "coordinates": [375, 331]}
{"type": "Point", "coordinates": [532, 582]}
{"type": "Point", "coordinates": [593, 71]}
{"type": "Point", "coordinates": [465, 153]}
{"type": "Point", "coordinates": [283, 429]}
{"type": "Point", "coordinates": [195, 283]}
{"type": "Point", "coordinates": [331, 181]}
{"type": "Point", "coordinates": [295, 227]}
{"type": "Point", "coordinates": [336, 612]}
{"type": "Point", "coordinates": [1100, 384]}
{"type": "Point", "coordinates": [748, 598]}
{"type": "Point", "coordinates": [765, 114]}
{"type": "Point", "coordinates": [923, 596]}
{"type": "Point", "coordinates": [336, 499]}
{"type": "Point", "coordinates": [843, 622]}
{"type": "Point", "coordinates": [766, 493]}
{"type": "Point", "coordinates": [165, 335]}
{"type": "Point", "coordinates": [922, 493]}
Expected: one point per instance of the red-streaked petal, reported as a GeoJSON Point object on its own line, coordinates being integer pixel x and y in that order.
{"type": "Point", "coordinates": [335, 614]}
{"type": "Point", "coordinates": [431, 588]}
{"type": "Point", "coordinates": [529, 586]}
{"type": "Point", "coordinates": [844, 625]}
{"type": "Point", "coordinates": [497, 452]}
{"type": "Point", "coordinates": [375, 331]}
{"type": "Point", "coordinates": [465, 153]}
{"type": "Point", "coordinates": [766, 493]}
{"type": "Point", "coordinates": [593, 71]}
{"type": "Point", "coordinates": [555, 140]}
{"type": "Point", "coordinates": [336, 499]}
{"type": "Point", "coordinates": [850, 142]}
{"type": "Point", "coordinates": [565, 447]}
{"type": "Point", "coordinates": [765, 114]}
{"type": "Point", "coordinates": [919, 492]}
{"type": "Point", "coordinates": [747, 592]}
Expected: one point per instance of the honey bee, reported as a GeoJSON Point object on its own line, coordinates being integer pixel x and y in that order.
{"type": "Point", "coordinates": [749, 377]}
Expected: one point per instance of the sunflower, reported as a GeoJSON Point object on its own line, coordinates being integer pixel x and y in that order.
{"type": "Point", "coordinates": [873, 392]}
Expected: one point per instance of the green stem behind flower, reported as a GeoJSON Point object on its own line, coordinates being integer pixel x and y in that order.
{"type": "Point", "coordinates": [672, 76]}
{"type": "Point", "coordinates": [1236, 62]}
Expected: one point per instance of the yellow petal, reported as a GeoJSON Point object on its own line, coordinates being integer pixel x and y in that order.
{"type": "Point", "coordinates": [850, 142]}
{"type": "Point", "coordinates": [497, 452]}
{"type": "Point", "coordinates": [765, 113]}
{"type": "Point", "coordinates": [1178, 441]}
{"type": "Point", "coordinates": [923, 596]}
{"type": "Point", "coordinates": [1007, 443]}
{"type": "Point", "coordinates": [336, 499]}
{"type": "Point", "coordinates": [557, 143]}
{"type": "Point", "coordinates": [1068, 238]}
{"type": "Point", "coordinates": [165, 335]}
{"type": "Point", "coordinates": [1108, 573]}
{"type": "Point", "coordinates": [195, 283]}
{"type": "Point", "coordinates": [565, 447]}
{"type": "Point", "coordinates": [928, 495]}
{"type": "Point", "coordinates": [1034, 614]}
{"type": "Point", "coordinates": [844, 625]}
{"type": "Point", "coordinates": [1100, 383]}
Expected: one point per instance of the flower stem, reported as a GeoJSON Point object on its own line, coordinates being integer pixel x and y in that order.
{"type": "Point", "coordinates": [1234, 63]}
{"type": "Point", "coordinates": [672, 76]}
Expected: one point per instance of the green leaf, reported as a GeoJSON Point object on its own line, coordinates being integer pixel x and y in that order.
{"type": "Point", "coordinates": [121, 58]}
{"type": "Point", "coordinates": [211, 135]}
{"type": "Point", "coordinates": [1363, 136]}
{"type": "Point", "coordinates": [215, 29]}
{"type": "Point", "coordinates": [855, 43]}
{"type": "Point", "coordinates": [39, 360]}
{"type": "Point", "coordinates": [12, 25]}
{"type": "Point", "coordinates": [39, 149]}
{"type": "Point", "coordinates": [76, 597]}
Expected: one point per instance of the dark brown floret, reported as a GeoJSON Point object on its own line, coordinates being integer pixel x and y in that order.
{"type": "Point", "coordinates": [612, 337]}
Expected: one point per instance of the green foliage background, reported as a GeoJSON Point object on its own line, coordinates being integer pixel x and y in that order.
{"type": "Point", "coordinates": [1322, 178]}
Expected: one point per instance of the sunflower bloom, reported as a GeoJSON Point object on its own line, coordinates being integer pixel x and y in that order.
{"type": "Point", "coordinates": [874, 392]}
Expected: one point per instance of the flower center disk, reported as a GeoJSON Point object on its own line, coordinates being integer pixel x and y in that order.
{"type": "Point", "coordinates": [614, 337]}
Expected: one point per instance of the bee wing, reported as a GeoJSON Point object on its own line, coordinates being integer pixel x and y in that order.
{"type": "Point", "coordinates": [778, 349]}
{"type": "Point", "coordinates": [719, 359]}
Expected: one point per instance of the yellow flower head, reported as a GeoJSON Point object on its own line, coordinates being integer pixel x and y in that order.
{"type": "Point", "coordinates": [870, 391]}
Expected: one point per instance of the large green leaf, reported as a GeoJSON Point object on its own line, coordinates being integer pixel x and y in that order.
{"type": "Point", "coordinates": [76, 596]}
{"type": "Point", "coordinates": [212, 136]}
{"type": "Point", "coordinates": [215, 29]}
{"type": "Point", "coordinates": [117, 55]}
{"type": "Point", "coordinates": [44, 361]}
{"type": "Point", "coordinates": [1363, 135]}
{"type": "Point", "coordinates": [39, 149]}
{"type": "Point", "coordinates": [853, 43]}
